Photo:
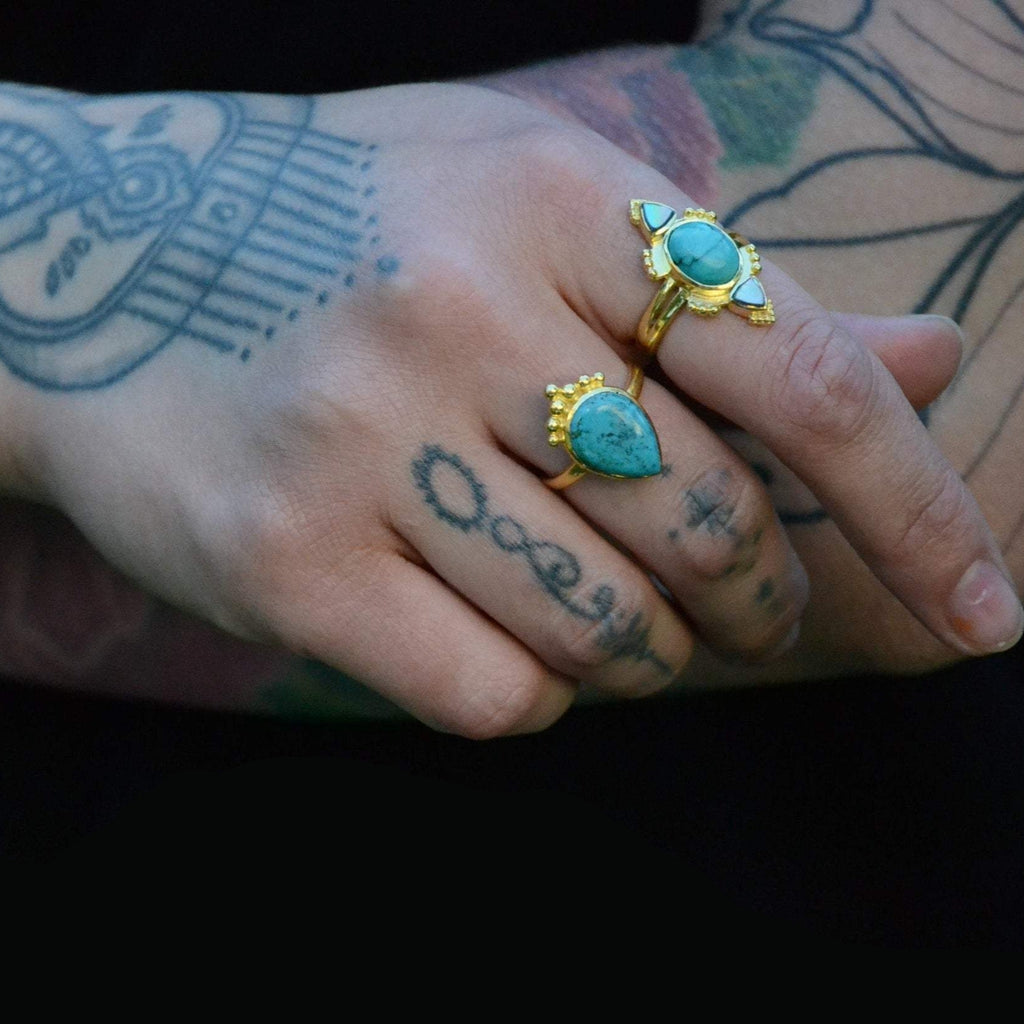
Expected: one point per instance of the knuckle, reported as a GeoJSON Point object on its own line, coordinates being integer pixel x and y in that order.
{"type": "Point", "coordinates": [242, 546]}
{"type": "Point", "coordinates": [504, 707]}
{"type": "Point", "coordinates": [725, 514]}
{"type": "Point", "coordinates": [938, 513]}
{"type": "Point", "coordinates": [605, 629]}
{"type": "Point", "coordinates": [296, 565]}
{"type": "Point", "coordinates": [273, 537]}
{"type": "Point", "coordinates": [556, 172]}
{"type": "Point", "coordinates": [440, 294]}
{"type": "Point", "coordinates": [217, 557]}
{"type": "Point", "coordinates": [554, 151]}
{"type": "Point", "coordinates": [824, 381]}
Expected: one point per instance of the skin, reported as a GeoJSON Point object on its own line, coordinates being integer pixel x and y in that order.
{"type": "Point", "coordinates": [963, 79]}
{"type": "Point", "coordinates": [220, 474]}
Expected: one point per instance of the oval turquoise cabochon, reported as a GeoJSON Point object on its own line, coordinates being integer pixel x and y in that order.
{"type": "Point", "coordinates": [704, 253]}
{"type": "Point", "coordinates": [610, 433]}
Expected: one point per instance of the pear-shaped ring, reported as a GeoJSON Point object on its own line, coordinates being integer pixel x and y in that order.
{"type": "Point", "coordinates": [604, 429]}
{"type": "Point", "coordinates": [699, 265]}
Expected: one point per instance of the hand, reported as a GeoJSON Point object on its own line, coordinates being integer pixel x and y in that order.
{"type": "Point", "coordinates": [776, 169]}
{"type": "Point", "coordinates": [359, 481]}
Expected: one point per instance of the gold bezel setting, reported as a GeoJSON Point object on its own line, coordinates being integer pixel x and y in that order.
{"type": "Point", "coordinates": [563, 404]}
{"type": "Point", "coordinates": [564, 401]}
{"type": "Point", "coordinates": [678, 291]}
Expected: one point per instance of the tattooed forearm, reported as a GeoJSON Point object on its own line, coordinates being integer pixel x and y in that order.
{"type": "Point", "coordinates": [132, 223]}
{"type": "Point", "coordinates": [555, 569]}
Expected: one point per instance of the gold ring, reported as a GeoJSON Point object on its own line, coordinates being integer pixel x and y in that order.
{"type": "Point", "coordinates": [699, 265]}
{"type": "Point", "coordinates": [604, 429]}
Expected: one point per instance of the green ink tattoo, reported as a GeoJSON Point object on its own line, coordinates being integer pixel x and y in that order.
{"type": "Point", "coordinates": [758, 102]}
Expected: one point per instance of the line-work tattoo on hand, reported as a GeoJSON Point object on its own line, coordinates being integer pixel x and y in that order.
{"type": "Point", "coordinates": [456, 496]}
{"type": "Point", "coordinates": [128, 223]}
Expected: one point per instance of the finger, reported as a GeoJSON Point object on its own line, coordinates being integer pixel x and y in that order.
{"type": "Point", "coordinates": [829, 409]}
{"type": "Point", "coordinates": [407, 635]}
{"type": "Point", "coordinates": [707, 529]}
{"type": "Point", "coordinates": [922, 352]}
{"type": "Point", "coordinates": [515, 550]}
{"type": "Point", "coordinates": [705, 526]}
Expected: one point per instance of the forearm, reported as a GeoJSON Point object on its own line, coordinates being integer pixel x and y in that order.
{"type": "Point", "coordinates": [768, 92]}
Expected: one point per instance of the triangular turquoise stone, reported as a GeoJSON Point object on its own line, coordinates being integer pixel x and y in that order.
{"type": "Point", "coordinates": [610, 433]}
{"type": "Point", "coordinates": [656, 215]}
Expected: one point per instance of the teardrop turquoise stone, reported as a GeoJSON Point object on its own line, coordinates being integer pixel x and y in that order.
{"type": "Point", "coordinates": [610, 433]}
{"type": "Point", "coordinates": [704, 253]}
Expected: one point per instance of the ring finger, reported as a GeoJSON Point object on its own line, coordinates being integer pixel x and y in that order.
{"type": "Point", "coordinates": [495, 534]}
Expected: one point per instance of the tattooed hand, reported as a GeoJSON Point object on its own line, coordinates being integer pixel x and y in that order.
{"type": "Point", "coordinates": [283, 361]}
{"type": "Point", "coordinates": [875, 147]}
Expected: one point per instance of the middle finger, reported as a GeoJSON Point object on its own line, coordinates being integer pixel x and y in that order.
{"type": "Point", "coordinates": [704, 527]}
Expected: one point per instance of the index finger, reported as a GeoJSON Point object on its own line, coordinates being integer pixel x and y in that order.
{"type": "Point", "coordinates": [825, 404]}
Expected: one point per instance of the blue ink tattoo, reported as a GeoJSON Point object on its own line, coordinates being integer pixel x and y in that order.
{"type": "Point", "coordinates": [459, 499]}
{"type": "Point", "coordinates": [202, 218]}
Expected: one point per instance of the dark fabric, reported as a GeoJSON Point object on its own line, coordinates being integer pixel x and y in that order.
{"type": "Point", "coordinates": [870, 811]}
{"type": "Point", "coordinates": [307, 45]}
{"type": "Point", "coordinates": [866, 811]}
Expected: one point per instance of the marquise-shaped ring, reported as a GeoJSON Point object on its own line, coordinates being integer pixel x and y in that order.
{"type": "Point", "coordinates": [604, 429]}
{"type": "Point", "coordinates": [699, 265]}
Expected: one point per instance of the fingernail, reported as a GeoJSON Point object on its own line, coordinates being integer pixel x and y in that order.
{"type": "Point", "coordinates": [985, 611]}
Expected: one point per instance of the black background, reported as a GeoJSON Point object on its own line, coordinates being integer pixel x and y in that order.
{"type": "Point", "coordinates": [869, 811]}
{"type": "Point", "coordinates": [307, 45]}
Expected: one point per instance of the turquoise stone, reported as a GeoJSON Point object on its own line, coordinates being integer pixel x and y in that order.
{"type": "Point", "coordinates": [609, 433]}
{"type": "Point", "coordinates": [704, 253]}
{"type": "Point", "coordinates": [656, 215]}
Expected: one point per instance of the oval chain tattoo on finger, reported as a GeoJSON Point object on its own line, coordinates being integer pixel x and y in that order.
{"type": "Point", "coordinates": [130, 223]}
{"type": "Point", "coordinates": [554, 568]}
